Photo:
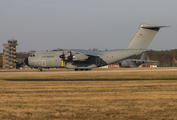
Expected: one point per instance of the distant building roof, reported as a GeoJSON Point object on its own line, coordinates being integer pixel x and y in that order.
{"type": "Point", "coordinates": [174, 60]}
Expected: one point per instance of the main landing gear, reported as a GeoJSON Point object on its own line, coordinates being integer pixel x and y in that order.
{"type": "Point", "coordinates": [40, 69]}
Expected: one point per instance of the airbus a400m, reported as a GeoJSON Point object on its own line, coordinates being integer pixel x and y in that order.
{"type": "Point", "coordinates": [79, 59]}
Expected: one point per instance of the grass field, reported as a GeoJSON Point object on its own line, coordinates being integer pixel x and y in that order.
{"type": "Point", "coordinates": [104, 98]}
{"type": "Point", "coordinates": [163, 75]}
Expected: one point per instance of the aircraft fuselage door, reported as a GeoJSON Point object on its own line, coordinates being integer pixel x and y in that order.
{"type": "Point", "coordinates": [43, 63]}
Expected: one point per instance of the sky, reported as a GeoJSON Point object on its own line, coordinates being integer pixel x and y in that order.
{"type": "Point", "coordinates": [85, 24]}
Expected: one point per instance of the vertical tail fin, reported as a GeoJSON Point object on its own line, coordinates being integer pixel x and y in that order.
{"type": "Point", "coordinates": [143, 56]}
{"type": "Point", "coordinates": [144, 36]}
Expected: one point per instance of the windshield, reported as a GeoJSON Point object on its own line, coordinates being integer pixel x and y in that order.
{"type": "Point", "coordinates": [32, 55]}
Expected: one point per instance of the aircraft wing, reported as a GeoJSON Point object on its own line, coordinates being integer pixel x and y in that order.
{"type": "Point", "coordinates": [139, 60]}
{"type": "Point", "coordinates": [87, 52]}
{"type": "Point", "coordinates": [149, 61]}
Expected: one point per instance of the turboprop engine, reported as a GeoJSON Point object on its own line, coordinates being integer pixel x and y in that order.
{"type": "Point", "coordinates": [74, 56]}
{"type": "Point", "coordinates": [80, 57]}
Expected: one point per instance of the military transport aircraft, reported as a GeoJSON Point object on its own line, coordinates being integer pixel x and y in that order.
{"type": "Point", "coordinates": [133, 62]}
{"type": "Point", "coordinates": [127, 63]}
{"type": "Point", "coordinates": [79, 59]}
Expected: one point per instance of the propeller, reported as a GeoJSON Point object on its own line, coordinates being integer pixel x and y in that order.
{"type": "Point", "coordinates": [70, 57]}
{"type": "Point", "coordinates": [63, 55]}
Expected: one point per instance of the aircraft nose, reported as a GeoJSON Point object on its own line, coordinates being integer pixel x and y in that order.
{"type": "Point", "coordinates": [26, 61]}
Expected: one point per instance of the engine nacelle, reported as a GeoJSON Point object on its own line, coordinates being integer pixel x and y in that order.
{"type": "Point", "coordinates": [80, 57]}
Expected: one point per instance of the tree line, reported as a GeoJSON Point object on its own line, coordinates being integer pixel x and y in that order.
{"type": "Point", "coordinates": [164, 57]}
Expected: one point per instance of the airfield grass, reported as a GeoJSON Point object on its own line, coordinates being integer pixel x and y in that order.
{"type": "Point", "coordinates": [131, 96]}
{"type": "Point", "coordinates": [167, 75]}
{"type": "Point", "coordinates": [137, 100]}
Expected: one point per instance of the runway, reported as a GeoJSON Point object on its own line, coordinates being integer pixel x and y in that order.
{"type": "Point", "coordinates": [25, 72]}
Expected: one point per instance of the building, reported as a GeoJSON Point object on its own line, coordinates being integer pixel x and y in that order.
{"type": "Point", "coordinates": [9, 54]}
{"type": "Point", "coordinates": [1, 61]}
{"type": "Point", "coordinates": [174, 62]}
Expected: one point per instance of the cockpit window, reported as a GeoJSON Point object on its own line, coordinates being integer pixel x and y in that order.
{"type": "Point", "coordinates": [32, 55]}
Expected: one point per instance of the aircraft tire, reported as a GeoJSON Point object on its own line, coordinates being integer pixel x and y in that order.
{"type": "Point", "coordinates": [40, 70]}
{"type": "Point", "coordinates": [76, 69]}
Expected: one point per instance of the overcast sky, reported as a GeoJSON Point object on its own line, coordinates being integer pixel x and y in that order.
{"type": "Point", "coordinates": [85, 24]}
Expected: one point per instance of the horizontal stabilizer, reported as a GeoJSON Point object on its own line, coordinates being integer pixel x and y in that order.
{"type": "Point", "coordinates": [152, 27]}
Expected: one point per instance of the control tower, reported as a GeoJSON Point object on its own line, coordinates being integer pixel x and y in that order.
{"type": "Point", "coordinates": [9, 54]}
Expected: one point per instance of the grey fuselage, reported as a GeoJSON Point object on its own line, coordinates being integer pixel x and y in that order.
{"type": "Point", "coordinates": [53, 60]}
